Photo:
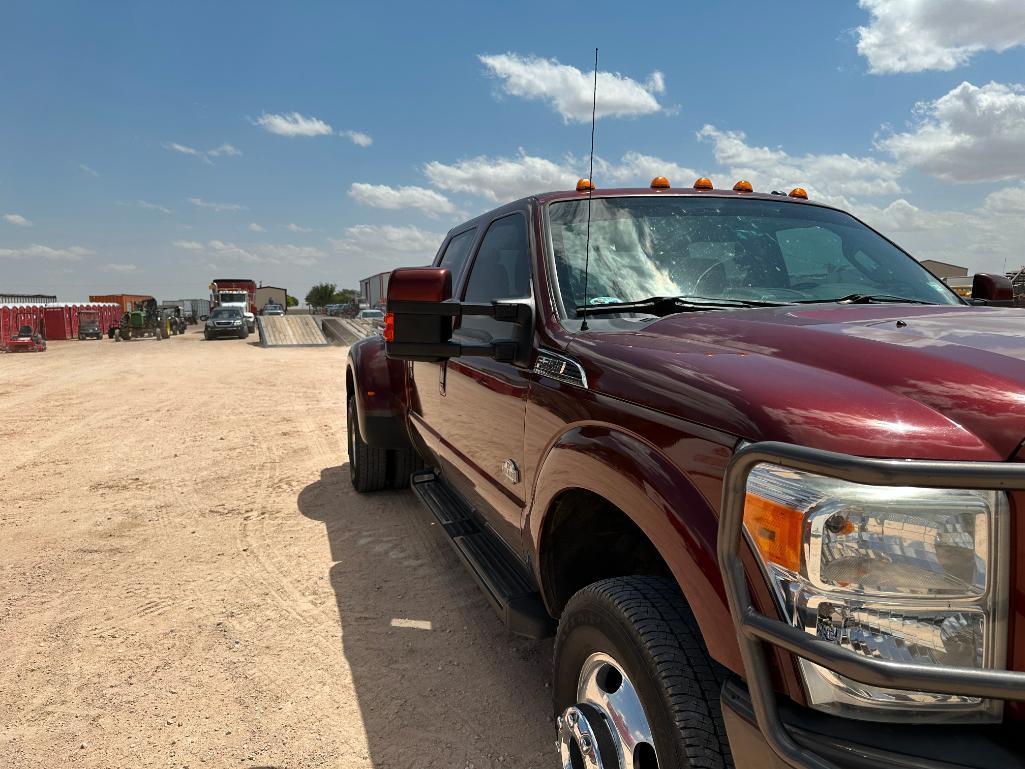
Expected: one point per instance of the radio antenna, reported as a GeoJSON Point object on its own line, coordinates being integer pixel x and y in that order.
{"type": "Point", "coordinates": [590, 190]}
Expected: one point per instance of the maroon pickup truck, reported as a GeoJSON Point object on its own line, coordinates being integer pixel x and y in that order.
{"type": "Point", "coordinates": [757, 469]}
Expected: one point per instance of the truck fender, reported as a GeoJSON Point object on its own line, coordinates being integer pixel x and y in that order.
{"type": "Point", "coordinates": [378, 385]}
{"type": "Point", "coordinates": [647, 487]}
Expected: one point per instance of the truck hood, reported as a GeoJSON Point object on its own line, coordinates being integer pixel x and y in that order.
{"type": "Point", "coordinates": [875, 380]}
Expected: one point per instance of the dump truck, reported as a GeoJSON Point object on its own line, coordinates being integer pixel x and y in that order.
{"type": "Point", "coordinates": [235, 292]}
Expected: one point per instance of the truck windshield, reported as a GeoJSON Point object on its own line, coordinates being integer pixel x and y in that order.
{"type": "Point", "coordinates": [225, 314]}
{"type": "Point", "coordinates": [234, 298]}
{"type": "Point", "coordinates": [727, 249]}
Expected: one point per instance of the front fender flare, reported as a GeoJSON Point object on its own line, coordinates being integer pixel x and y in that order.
{"type": "Point", "coordinates": [676, 518]}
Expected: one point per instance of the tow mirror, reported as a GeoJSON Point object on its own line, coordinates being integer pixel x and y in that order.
{"type": "Point", "coordinates": [992, 289]}
{"type": "Point", "coordinates": [421, 314]}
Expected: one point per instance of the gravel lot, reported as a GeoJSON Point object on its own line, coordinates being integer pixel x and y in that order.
{"type": "Point", "coordinates": [187, 578]}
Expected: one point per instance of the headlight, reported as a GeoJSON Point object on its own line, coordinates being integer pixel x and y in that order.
{"type": "Point", "coordinates": [236, 323]}
{"type": "Point", "coordinates": [904, 574]}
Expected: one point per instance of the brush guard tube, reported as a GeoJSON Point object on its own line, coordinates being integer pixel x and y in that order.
{"type": "Point", "coordinates": [755, 629]}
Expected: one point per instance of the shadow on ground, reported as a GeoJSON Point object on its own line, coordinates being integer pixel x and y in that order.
{"type": "Point", "coordinates": [440, 681]}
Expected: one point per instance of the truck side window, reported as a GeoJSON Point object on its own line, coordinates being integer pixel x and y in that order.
{"type": "Point", "coordinates": [500, 271]}
{"type": "Point", "coordinates": [456, 251]}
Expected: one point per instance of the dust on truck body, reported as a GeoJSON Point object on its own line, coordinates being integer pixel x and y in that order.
{"type": "Point", "coordinates": [758, 470]}
{"type": "Point", "coordinates": [235, 292]}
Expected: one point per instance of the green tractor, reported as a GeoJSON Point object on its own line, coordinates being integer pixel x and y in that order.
{"type": "Point", "coordinates": [142, 320]}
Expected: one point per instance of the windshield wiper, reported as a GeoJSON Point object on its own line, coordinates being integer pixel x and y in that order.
{"type": "Point", "coordinates": [668, 305]}
{"type": "Point", "coordinates": [865, 299]}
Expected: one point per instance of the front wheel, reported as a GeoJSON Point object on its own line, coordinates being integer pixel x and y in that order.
{"type": "Point", "coordinates": [633, 678]}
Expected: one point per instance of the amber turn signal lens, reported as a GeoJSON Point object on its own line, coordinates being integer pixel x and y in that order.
{"type": "Point", "coordinates": [743, 186]}
{"type": "Point", "coordinates": [660, 183]}
{"type": "Point", "coordinates": [775, 530]}
{"type": "Point", "coordinates": [799, 192]}
{"type": "Point", "coordinates": [703, 184]}
{"type": "Point", "coordinates": [584, 185]}
{"type": "Point", "coordinates": [389, 327]}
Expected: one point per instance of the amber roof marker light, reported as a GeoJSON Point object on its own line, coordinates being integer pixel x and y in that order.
{"type": "Point", "coordinates": [585, 185]}
{"type": "Point", "coordinates": [704, 183]}
{"type": "Point", "coordinates": [743, 186]}
{"type": "Point", "coordinates": [799, 192]}
{"type": "Point", "coordinates": [660, 183]}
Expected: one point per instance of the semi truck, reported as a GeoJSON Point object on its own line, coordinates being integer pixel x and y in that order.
{"type": "Point", "coordinates": [235, 292]}
{"type": "Point", "coordinates": [192, 309]}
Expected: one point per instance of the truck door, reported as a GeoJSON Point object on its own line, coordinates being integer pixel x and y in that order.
{"type": "Point", "coordinates": [483, 405]}
{"type": "Point", "coordinates": [428, 379]}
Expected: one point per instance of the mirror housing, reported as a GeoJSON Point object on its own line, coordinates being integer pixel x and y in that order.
{"type": "Point", "coordinates": [204, 318]}
{"type": "Point", "coordinates": [421, 316]}
{"type": "Point", "coordinates": [992, 289]}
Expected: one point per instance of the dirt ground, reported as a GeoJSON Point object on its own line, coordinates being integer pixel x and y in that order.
{"type": "Point", "coordinates": [187, 578]}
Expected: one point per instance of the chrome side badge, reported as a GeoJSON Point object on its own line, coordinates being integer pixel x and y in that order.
{"type": "Point", "coordinates": [511, 471]}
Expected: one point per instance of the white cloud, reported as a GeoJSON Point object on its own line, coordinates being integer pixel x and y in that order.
{"type": "Point", "coordinates": [827, 177]}
{"type": "Point", "coordinates": [570, 91]}
{"type": "Point", "coordinates": [293, 227]}
{"type": "Point", "coordinates": [36, 251]}
{"type": "Point", "coordinates": [148, 206]}
{"type": "Point", "coordinates": [502, 178]}
{"type": "Point", "coordinates": [227, 150]}
{"type": "Point", "coordinates": [87, 169]}
{"type": "Point", "coordinates": [224, 149]}
{"type": "Point", "coordinates": [1010, 200]}
{"type": "Point", "coordinates": [357, 137]}
{"type": "Point", "coordinates": [183, 149]}
{"type": "Point", "coordinates": [917, 35]}
{"type": "Point", "coordinates": [293, 124]}
{"type": "Point", "coordinates": [637, 170]}
{"type": "Point", "coordinates": [119, 267]}
{"type": "Point", "coordinates": [985, 239]}
{"type": "Point", "coordinates": [404, 244]}
{"type": "Point", "coordinates": [255, 253]}
{"type": "Point", "coordinates": [254, 227]}
{"type": "Point", "coordinates": [200, 203]}
{"type": "Point", "coordinates": [17, 219]}
{"type": "Point", "coordinates": [970, 134]}
{"type": "Point", "coordinates": [429, 201]}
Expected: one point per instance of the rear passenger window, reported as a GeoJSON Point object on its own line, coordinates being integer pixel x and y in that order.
{"type": "Point", "coordinates": [500, 271]}
{"type": "Point", "coordinates": [456, 252]}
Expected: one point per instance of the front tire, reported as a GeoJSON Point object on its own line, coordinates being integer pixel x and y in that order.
{"type": "Point", "coordinates": [368, 466]}
{"type": "Point", "coordinates": [634, 640]}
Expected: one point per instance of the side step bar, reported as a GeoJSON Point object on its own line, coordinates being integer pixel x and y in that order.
{"type": "Point", "coordinates": [503, 580]}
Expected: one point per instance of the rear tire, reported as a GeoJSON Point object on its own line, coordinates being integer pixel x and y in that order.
{"type": "Point", "coordinates": [368, 466]}
{"type": "Point", "coordinates": [646, 627]}
{"type": "Point", "coordinates": [402, 463]}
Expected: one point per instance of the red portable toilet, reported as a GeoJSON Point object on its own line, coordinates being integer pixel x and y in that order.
{"type": "Point", "coordinates": [54, 321]}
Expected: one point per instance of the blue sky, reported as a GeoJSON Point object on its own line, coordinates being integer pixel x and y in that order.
{"type": "Point", "coordinates": [151, 147]}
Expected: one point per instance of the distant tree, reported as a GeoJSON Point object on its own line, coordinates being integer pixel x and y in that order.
{"type": "Point", "coordinates": [321, 295]}
{"type": "Point", "coordinates": [345, 295]}
{"type": "Point", "coordinates": [291, 301]}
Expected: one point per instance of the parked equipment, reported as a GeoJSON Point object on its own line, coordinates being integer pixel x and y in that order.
{"type": "Point", "coordinates": [26, 339]}
{"type": "Point", "coordinates": [89, 325]}
{"type": "Point", "coordinates": [142, 320]}
{"type": "Point", "coordinates": [174, 322]}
